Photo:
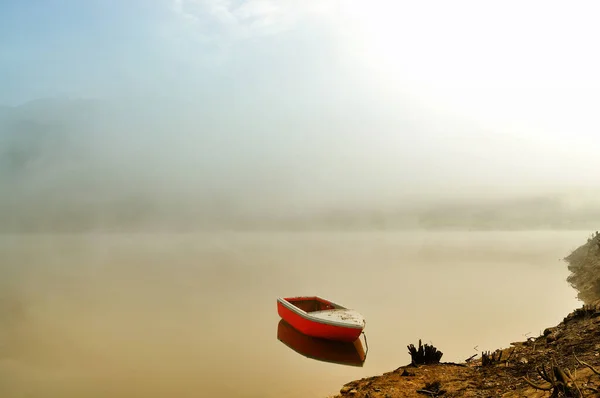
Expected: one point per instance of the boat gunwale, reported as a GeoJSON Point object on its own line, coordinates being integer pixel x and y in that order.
{"type": "Point", "coordinates": [307, 316]}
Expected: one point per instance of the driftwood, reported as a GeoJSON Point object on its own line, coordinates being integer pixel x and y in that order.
{"type": "Point", "coordinates": [424, 355]}
{"type": "Point", "coordinates": [588, 366]}
{"type": "Point", "coordinates": [561, 383]}
{"type": "Point", "coordinates": [471, 358]}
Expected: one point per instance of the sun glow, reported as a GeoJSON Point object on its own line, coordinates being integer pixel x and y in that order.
{"type": "Point", "coordinates": [525, 67]}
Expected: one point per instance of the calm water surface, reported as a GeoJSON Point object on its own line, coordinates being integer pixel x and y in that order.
{"type": "Point", "coordinates": [195, 315]}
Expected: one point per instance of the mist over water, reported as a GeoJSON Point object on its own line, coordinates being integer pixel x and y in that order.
{"type": "Point", "coordinates": [174, 165]}
{"type": "Point", "coordinates": [195, 314]}
{"type": "Point", "coordinates": [135, 261]}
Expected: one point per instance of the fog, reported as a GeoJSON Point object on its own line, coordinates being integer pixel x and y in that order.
{"type": "Point", "coordinates": [141, 164]}
{"type": "Point", "coordinates": [197, 113]}
{"type": "Point", "coordinates": [165, 163]}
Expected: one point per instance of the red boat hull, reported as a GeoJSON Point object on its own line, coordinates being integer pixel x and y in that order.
{"type": "Point", "coordinates": [318, 329]}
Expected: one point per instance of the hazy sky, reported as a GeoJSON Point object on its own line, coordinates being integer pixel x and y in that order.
{"type": "Point", "coordinates": [376, 98]}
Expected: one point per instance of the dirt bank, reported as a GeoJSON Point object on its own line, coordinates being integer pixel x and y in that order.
{"type": "Point", "coordinates": [563, 361]}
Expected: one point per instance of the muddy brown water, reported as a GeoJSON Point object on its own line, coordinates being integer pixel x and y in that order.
{"type": "Point", "coordinates": [194, 315]}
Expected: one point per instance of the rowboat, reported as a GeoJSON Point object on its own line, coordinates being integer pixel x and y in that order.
{"type": "Point", "coordinates": [317, 317]}
{"type": "Point", "coordinates": [338, 352]}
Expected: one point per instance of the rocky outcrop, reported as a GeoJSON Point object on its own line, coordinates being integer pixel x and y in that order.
{"type": "Point", "coordinates": [584, 265]}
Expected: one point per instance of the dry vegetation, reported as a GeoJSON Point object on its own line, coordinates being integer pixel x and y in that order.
{"type": "Point", "coordinates": [564, 361]}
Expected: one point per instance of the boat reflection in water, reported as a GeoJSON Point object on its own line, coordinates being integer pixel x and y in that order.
{"type": "Point", "coordinates": [343, 353]}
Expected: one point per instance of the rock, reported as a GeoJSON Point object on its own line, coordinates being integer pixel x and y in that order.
{"type": "Point", "coordinates": [346, 389]}
{"type": "Point", "coordinates": [523, 361]}
{"type": "Point", "coordinates": [548, 331]}
{"type": "Point", "coordinates": [353, 391]}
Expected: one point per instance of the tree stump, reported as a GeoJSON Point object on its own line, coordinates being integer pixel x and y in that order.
{"type": "Point", "coordinates": [424, 355]}
{"type": "Point", "coordinates": [489, 359]}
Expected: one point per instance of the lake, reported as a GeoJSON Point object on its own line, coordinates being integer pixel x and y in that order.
{"type": "Point", "coordinates": [193, 315]}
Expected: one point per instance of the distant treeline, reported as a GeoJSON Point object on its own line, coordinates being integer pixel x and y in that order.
{"type": "Point", "coordinates": [144, 215]}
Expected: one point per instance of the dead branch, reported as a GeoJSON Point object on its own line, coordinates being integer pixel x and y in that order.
{"type": "Point", "coordinates": [470, 358]}
{"type": "Point", "coordinates": [586, 365]}
{"type": "Point", "coordinates": [574, 382]}
{"type": "Point", "coordinates": [549, 387]}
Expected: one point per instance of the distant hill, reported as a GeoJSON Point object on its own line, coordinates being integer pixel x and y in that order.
{"type": "Point", "coordinates": [42, 135]}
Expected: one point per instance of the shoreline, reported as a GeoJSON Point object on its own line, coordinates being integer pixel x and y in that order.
{"type": "Point", "coordinates": [571, 347]}
{"type": "Point", "coordinates": [564, 360]}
